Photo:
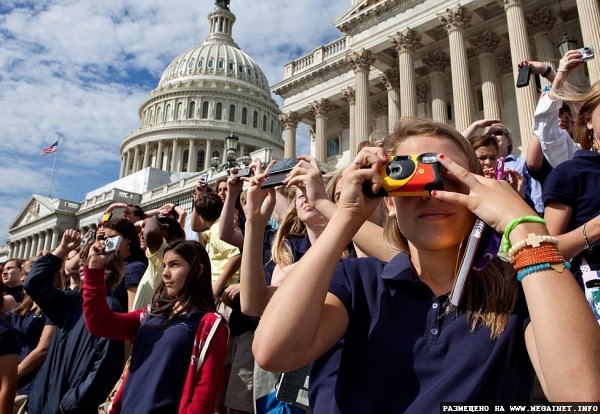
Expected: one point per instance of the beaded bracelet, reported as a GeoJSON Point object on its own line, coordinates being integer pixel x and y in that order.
{"type": "Point", "coordinates": [559, 267]}
{"type": "Point", "coordinates": [505, 242]}
{"type": "Point", "coordinates": [533, 240]}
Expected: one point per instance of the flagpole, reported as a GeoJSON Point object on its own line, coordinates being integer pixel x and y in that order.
{"type": "Point", "coordinates": [53, 167]}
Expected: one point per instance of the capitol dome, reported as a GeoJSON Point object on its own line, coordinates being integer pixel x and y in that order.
{"type": "Point", "coordinates": [205, 94]}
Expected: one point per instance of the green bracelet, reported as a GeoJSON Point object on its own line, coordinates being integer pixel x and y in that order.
{"type": "Point", "coordinates": [505, 243]}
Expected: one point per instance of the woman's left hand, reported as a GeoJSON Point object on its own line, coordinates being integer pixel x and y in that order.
{"type": "Point", "coordinates": [308, 178]}
{"type": "Point", "coordinates": [495, 202]}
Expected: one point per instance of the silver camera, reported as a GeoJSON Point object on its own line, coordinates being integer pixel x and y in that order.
{"type": "Point", "coordinates": [587, 53]}
{"type": "Point", "coordinates": [112, 244]}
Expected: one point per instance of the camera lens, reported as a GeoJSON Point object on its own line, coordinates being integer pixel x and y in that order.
{"type": "Point", "coordinates": [400, 168]}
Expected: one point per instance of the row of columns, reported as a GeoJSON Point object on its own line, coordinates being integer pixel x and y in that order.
{"type": "Point", "coordinates": [29, 246]}
{"type": "Point", "coordinates": [401, 83]}
{"type": "Point", "coordinates": [168, 155]}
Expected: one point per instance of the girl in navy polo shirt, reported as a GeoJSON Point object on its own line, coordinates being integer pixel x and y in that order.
{"type": "Point", "coordinates": [405, 349]}
{"type": "Point", "coordinates": [179, 342]}
{"type": "Point", "coordinates": [9, 354]}
{"type": "Point", "coordinates": [572, 190]}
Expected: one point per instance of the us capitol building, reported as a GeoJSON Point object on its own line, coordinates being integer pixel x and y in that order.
{"type": "Point", "coordinates": [450, 61]}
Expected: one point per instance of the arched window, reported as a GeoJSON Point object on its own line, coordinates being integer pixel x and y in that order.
{"type": "Point", "coordinates": [272, 126]}
{"type": "Point", "coordinates": [159, 114]}
{"type": "Point", "coordinates": [169, 113]}
{"type": "Point", "coordinates": [201, 62]}
{"type": "Point", "coordinates": [255, 119]}
{"type": "Point", "coordinates": [192, 110]}
{"type": "Point", "coordinates": [180, 110]}
{"type": "Point", "coordinates": [200, 160]}
{"type": "Point", "coordinates": [191, 64]}
{"type": "Point", "coordinates": [204, 110]}
{"type": "Point", "coordinates": [264, 123]}
{"type": "Point", "coordinates": [151, 117]}
{"type": "Point", "coordinates": [231, 113]}
{"type": "Point", "coordinates": [219, 111]}
{"type": "Point", "coordinates": [245, 116]}
{"type": "Point", "coordinates": [211, 63]}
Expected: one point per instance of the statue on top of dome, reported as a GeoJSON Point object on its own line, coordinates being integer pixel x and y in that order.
{"type": "Point", "coordinates": [223, 3]}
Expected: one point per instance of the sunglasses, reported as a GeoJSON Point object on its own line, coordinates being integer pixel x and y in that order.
{"type": "Point", "coordinates": [497, 132]}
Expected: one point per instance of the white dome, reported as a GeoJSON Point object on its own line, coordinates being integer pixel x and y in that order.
{"type": "Point", "coordinates": [217, 56]}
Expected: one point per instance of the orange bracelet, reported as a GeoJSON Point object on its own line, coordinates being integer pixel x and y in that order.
{"type": "Point", "coordinates": [545, 253]}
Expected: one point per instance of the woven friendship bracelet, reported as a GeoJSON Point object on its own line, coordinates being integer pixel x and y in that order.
{"type": "Point", "coordinates": [533, 240]}
{"type": "Point", "coordinates": [559, 267]}
{"type": "Point", "coordinates": [505, 242]}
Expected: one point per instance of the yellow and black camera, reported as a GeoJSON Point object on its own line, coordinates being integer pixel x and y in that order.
{"type": "Point", "coordinates": [409, 175]}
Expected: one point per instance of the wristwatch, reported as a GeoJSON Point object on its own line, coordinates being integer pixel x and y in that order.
{"type": "Point", "coordinates": [547, 72]}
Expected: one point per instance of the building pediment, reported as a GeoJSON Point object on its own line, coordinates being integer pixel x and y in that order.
{"type": "Point", "coordinates": [37, 207]}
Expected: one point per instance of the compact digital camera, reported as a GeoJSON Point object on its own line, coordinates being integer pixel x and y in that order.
{"type": "Point", "coordinates": [90, 237]}
{"type": "Point", "coordinates": [409, 175]}
{"type": "Point", "coordinates": [587, 53]}
{"type": "Point", "coordinates": [112, 244]}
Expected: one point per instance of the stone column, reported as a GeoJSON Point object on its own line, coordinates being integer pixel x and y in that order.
{"type": "Point", "coordinates": [26, 252]}
{"type": "Point", "coordinates": [175, 158]}
{"type": "Point", "coordinates": [589, 19]}
{"type": "Point", "coordinates": [158, 161]}
{"type": "Point", "coordinates": [55, 234]}
{"type": "Point", "coordinates": [486, 44]}
{"type": "Point", "coordinates": [127, 163]}
{"type": "Point", "coordinates": [21, 249]}
{"type": "Point", "coordinates": [349, 96]}
{"type": "Point", "coordinates": [437, 63]}
{"type": "Point", "coordinates": [146, 155]}
{"type": "Point", "coordinates": [455, 21]}
{"type": "Point", "coordinates": [391, 80]}
{"type": "Point", "coordinates": [313, 139]}
{"type": "Point", "coordinates": [406, 42]}
{"type": "Point", "coordinates": [519, 50]}
{"type": "Point", "coordinates": [47, 244]}
{"type": "Point", "coordinates": [321, 109]}
{"type": "Point", "coordinates": [42, 241]}
{"type": "Point", "coordinates": [192, 156]}
{"type": "Point", "coordinates": [289, 120]}
{"type": "Point", "coordinates": [122, 168]}
{"type": "Point", "coordinates": [361, 62]}
{"type": "Point", "coordinates": [540, 23]}
{"type": "Point", "coordinates": [208, 153]}
{"type": "Point", "coordinates": [136, 158]}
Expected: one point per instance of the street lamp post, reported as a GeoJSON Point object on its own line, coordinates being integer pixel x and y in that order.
{"type": "Point", "coordinates": [231, 153]}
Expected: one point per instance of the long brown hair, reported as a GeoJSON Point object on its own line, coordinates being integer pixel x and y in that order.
{"type": "Point", "coordinates": [196, 292]}
{"type": "Point", "coordinates": [491, 294]}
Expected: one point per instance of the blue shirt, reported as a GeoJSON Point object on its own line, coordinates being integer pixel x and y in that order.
{"type": "Point", "coordinates": [533, 189]}
{"type": "Point", "coordinates": [576, 184]}
{"type": "Point", "coordinates": [403, 354]}
{"type": "Point", "coordinates": [9, 344]}
{"type": "Point", "coordinates": [159, 362]}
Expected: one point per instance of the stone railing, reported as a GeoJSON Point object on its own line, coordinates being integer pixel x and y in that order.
{"type": "Point", "coordinates": [316, 57]}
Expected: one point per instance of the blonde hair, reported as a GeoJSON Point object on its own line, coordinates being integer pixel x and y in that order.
{"type": "Point", "coordinates": [290, 226]}
{"type": "Point", "coordinates": [491, 294]}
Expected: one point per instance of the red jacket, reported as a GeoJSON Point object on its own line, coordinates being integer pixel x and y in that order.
{"type": "Point", "coordinates": [205, 372]}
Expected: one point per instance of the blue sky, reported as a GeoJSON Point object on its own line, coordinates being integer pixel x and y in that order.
{"type": "Point", "coordinates": [80, 69]}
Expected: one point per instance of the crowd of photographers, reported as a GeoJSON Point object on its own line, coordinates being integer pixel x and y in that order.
{"type": "Point", "coordinates": [109, 320]}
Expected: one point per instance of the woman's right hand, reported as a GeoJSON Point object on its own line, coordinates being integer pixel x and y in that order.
{"type": "Point", "coordinates": [364, 168]}
{"type": "Point", "coordinates": [307, 176]}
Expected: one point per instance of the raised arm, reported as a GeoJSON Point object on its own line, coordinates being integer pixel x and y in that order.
{"type": "Point", "coordinates": [228, 229]}
{"type": "Point", "coordinates": [472, 129]}
{"type": "Point", "coordinates": [570, 243]}
{"type": "Point", "coordinates": [303, 320]}
{"type": "Point", "coordinates": [99, 318]}
{"type": "Point", "coordinates": [254, 292]}
{"type": "Point", "coordinates": [562, 322]}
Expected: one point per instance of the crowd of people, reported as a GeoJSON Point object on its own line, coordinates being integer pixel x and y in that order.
{"type": "Point", "coordinates": [324, 280]}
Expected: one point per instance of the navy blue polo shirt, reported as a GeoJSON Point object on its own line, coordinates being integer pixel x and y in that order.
{"type": "Point", "coordinates": [576, 183]}
{"type": "Point", "coordinates": [403, 354]}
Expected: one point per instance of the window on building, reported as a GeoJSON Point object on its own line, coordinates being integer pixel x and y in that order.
{"type": "Point", "coordinates": [159, 114]}
{"type": "Point", "coordinates": [272, 126]}
{"type": "Point", "coordinates": [245, 116]}
{"type": "Point", "coordinates": [192, 110]}
{"type": "Point", "coordinates": [169, 113]}
{"type": "Point", "coordinates": [231, 113]}
{"type": "Point", "coordinates": [264, 123]}
{"type": "Point", "coordinates": [255, 119]}
{"type": "Point", "coordinates": [204, 110]}
{"type": "Point", "coordinates": [219, 111]}
{"type": "Point", "coordinates": [200, 160]}
{"type": "Point", "coordinates": [184, 162]}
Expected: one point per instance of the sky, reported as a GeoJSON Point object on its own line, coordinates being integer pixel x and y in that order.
{"type": "Point", "coordinates": [80, 69]}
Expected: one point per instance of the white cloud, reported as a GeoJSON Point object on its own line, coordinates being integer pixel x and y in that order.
{"type": "Point", "coordinates": [81, 69]}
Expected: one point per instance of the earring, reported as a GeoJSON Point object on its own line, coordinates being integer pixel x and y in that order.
{"type": "Point", "coordinates": [392, 214]}
{"type": "Point", "coordinates": [592, 140]}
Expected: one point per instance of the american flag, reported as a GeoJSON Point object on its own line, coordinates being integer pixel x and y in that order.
{"type": "Point", "coordinates": [52, 148]}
